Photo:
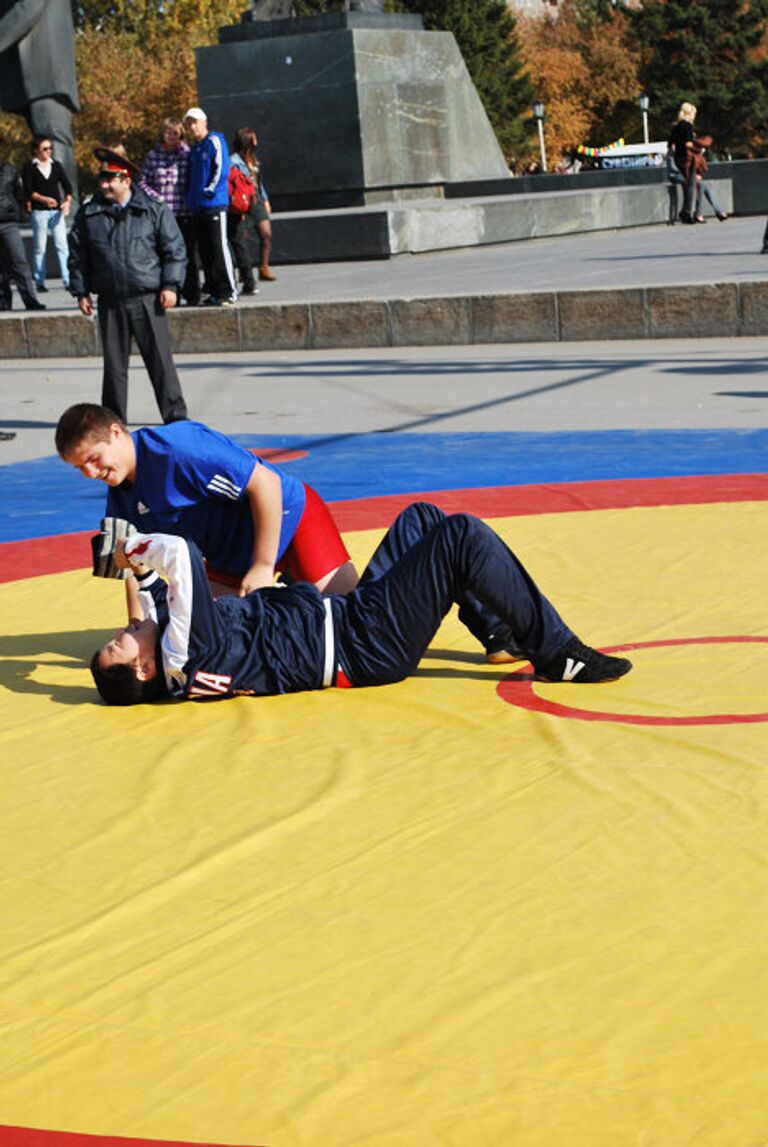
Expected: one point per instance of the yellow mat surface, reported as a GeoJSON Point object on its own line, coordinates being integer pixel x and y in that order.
{"type": "Point", "coordinates": [407, 916]}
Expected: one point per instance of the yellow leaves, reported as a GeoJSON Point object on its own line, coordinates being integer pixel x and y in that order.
{"type": "Point", "coordinates": [14, 133]}
{"type": "Point", "coordinates": [581, 72]}
{"type": "Point", "coordinates": [137, 66]}
{"type": "Point", "coordinates": [127, 87]}
{"type": "Point", "coordinates": [560, 76]}
{"type": "Point", "coordinates": [200, 20]}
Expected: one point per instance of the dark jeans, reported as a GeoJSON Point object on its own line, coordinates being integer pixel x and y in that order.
{"type": "Point", "coordinates": [425, 563]}
{"type": "Point", "coordinates": [190, 292]}
{"type": "Point", "coordinates": [15, 268]}
{"type": "Point", "coordinates": [143, 318]}
{"type": "Point", "coordinates": [239, 235]}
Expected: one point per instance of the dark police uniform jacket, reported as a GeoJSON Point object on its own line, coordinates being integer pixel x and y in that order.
{"type": "Point", "coordinates": [122, 252]}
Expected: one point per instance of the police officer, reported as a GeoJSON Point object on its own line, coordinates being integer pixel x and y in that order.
{"type": "Point", "coordinates": [127, 249]}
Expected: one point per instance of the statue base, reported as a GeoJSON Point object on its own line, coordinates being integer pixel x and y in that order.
{"type": "Point", "coordinates": [349, 108]}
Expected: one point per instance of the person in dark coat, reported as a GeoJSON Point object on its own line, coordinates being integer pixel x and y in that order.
{"type": "Point", "coordinates": [681, 140]}
{"type": "Point", "coordinates": [14, 267]}
{"type": "Point", "coordinates": [127, 249]}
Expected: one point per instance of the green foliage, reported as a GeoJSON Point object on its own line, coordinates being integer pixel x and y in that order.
{"type": "Point", "coordinates": [197, 20]}
{"type": "Point", "coordinates": [486, 33]}
{"type": "Point", "coordinates": [708, 53]}
{"type": "Point", "coordinates": [316, 7]}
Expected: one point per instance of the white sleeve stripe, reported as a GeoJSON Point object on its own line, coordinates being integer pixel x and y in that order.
{"type": "Point", "coordinates": [175, 640]}
{"type": "Point", "coordinates": [217, 163]}
{"type": "Point", "coordinates": [169, 556]}
{"type": "Point", "coordinates": [221, 485]}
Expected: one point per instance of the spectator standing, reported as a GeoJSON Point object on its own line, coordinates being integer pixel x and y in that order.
{"type": "Point", "coordinates": [245, 163]}
{"type": "Point", "coordinates": [127, 249]}
{"type": "Point", "coordinates": [208, 200]}
{"type": "Point", "coordinates": [703, 187]}
{"type": "Point", "coordinates": [48, 196]}
{"type": "Point", "coordinates": [681, 145]}
{"type": "Point", "coordinates": [165, 174]}
{"type": "Point", "coordinates": [14, 267]}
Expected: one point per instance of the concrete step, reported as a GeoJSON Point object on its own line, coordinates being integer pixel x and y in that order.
{"type": "Point", "coordinates": [673, 311]}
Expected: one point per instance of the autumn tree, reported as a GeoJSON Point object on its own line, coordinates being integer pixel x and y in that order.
{"type": "Point", "coordinates": [711, 53]}
{"type": "Point", "coordinates": [136, 65]}
{"type": "Point", "coordinates": [605, 38]}
{"type": "Point", "coordinates": [585, 68]}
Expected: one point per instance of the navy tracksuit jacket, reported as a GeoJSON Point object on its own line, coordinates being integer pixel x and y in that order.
{"type": "Point", "coordinates": [284, 640]}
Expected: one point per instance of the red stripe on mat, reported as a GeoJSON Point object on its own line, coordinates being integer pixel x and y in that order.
{"type": "Point", "coordinates": [559, 498]}
{"type": "Point", "coordinates": [32, 1137]}
{"type": "Point", "coordinates": [37, 556]}
{"type": "Point", "coordinates": [72, 551]}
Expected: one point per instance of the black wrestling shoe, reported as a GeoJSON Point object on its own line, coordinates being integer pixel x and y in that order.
{"type": "Point", "coordinates": [577, 662]}
{"type": "Point", "coordinates": [500, 647]}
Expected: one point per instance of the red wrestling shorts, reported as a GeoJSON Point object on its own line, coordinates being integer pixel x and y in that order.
{"type": "Point", "coordinates": [315, 550]}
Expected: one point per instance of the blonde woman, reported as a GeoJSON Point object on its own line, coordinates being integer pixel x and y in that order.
{"type": "Point", "coordinates": [681, 146]}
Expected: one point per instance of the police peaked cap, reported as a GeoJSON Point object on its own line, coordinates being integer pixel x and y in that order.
{"type": "Point", "coordinates": [115, 160]}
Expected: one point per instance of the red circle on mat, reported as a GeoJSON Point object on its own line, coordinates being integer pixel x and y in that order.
{"type": "Point", "coordinates": [517, 689]}
{"type": "Point", "coordinates": [276, 454]}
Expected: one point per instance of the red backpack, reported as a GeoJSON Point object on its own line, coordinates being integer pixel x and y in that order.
{"type": "Point", "coordinates": [242, 191]}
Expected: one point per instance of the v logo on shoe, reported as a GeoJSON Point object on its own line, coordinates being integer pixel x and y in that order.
{"type": "Point", "coordinates": [572, 669]}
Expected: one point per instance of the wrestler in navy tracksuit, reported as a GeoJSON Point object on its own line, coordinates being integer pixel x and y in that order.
{"type": "Point", "coordinates": [283, 640]}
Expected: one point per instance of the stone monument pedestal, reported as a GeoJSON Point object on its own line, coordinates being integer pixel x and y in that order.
{"type": "Point", "coordinates": [350, 108]}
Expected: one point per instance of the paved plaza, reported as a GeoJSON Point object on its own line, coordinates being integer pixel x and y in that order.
{"type": "Point", "coordinates": [641, 256]}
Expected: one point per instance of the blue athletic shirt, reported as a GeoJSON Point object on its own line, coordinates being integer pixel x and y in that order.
{"type": "Point", "coordinates": [190, 481]}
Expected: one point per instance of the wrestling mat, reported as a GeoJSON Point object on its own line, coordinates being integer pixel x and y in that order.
{"type": "Point", "coordinates": [468, 909]}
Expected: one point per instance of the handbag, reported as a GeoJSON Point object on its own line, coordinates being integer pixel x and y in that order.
{"type": "Point", "coordinates": [242, 192]}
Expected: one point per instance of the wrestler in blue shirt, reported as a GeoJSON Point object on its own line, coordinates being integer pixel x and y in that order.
{"type": "Point", "coordinates": [191, 480]}
{"type": "Point", "coordinates": [246, 516]}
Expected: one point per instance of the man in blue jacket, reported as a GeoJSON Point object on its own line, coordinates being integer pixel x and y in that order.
{"type": "Point", "coordinates": [207, 200]}
{"type": "Point", "coordinates": [285, 640]}
{"type": "Point", "coordinates": [127, 249]}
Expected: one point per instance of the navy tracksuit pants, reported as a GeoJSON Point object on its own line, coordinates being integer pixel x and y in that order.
{"type": "Point", "coordinates": [425, 563]}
